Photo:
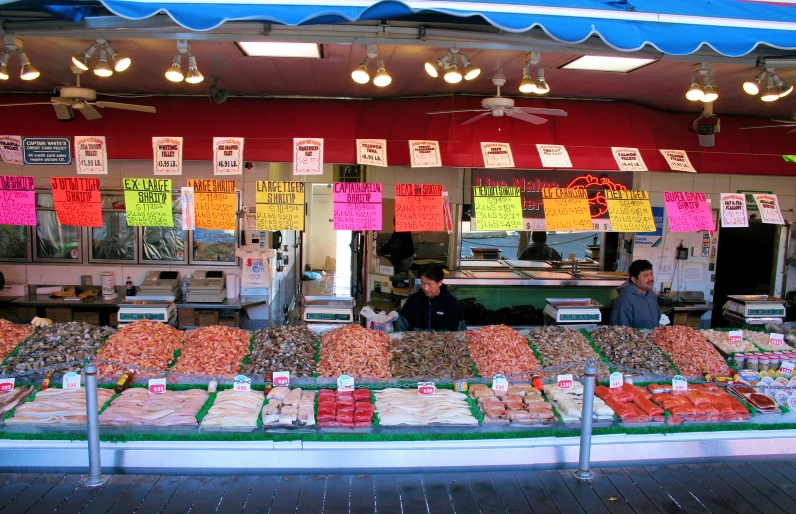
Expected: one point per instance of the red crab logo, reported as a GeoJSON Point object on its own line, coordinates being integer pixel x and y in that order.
{"type": "Point", "coordinates": [596, 186]}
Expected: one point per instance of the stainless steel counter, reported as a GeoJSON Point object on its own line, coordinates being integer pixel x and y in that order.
{"type": "Point", "coordinates": [506, 277]}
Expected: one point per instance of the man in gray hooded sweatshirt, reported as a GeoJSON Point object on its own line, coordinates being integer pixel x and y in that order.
{"type": "Point", "coordinates": [637, 305]}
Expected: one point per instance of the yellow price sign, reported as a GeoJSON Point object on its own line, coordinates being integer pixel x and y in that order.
{"type": "Point", "coordinates": [630, 211]}
{"type": "Point", "coordinates": [148, 202]}
{"type": "Point", "coordinates": [566, 209]}
{"type": "Point", "coordinates": [215, 203]}
{"type": "Point", "coordinates": [280, 205]}
{"type": "Point", "coordinates": [497, 208]}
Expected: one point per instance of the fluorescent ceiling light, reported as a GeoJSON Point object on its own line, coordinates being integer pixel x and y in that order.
{"type": "Point", "coordinates": [601, 63]}
{"type": "Point", "coordinates": [276, 49]}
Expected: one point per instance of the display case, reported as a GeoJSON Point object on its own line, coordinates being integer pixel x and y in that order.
{"type": "Point", "coordinates": [55, 242]}
{"type": "Point", "coordinates": [115, 241]}
{"type": "Point", "coordinates": [14, 243]}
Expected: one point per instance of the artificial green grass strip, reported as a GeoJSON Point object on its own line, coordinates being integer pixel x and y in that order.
{"type": "Point", "coordinates": [206, 407]}
{"type": "Point", "coordinates": [535, 351]}
{"type": "Point", "coordinates": [108, 403]}
{"type": "Point", "coordinates": [30, 398]}
{"type": "Point", "coordinates": [597, 350]}
{"type": "Point", "coordinates": [374, 422]}
{"type": "Point", "coordinates": [474, 409]}
{"type": "Point", "coordinates": [175, 356]}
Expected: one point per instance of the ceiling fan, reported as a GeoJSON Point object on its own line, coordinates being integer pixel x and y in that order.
{"type": "Point", "coordinates": [501, 106]}
{"type": "Point", "coordinates": [82, 99]}
{"type": "Point", "coordinates": [790, 122]}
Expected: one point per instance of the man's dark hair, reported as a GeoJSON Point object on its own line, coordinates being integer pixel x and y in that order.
{"type": "Point", "coordinates": [637, 267]}
{"type": "Point", "coordinates": [539, 237]}
{"type": "Point", "coordinates": [433, 272]}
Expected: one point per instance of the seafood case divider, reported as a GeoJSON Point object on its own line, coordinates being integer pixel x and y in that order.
{"type": "Point", "coordinates": [754, 309]}
{"type": "Point", "coordinates": [207, 287]}
{"type": "Point", "coordinates": [329, 309]}
{"type": "Point", "coordinates": [573, 310]}
{"type": "Point", "coordinates": [134, 310]}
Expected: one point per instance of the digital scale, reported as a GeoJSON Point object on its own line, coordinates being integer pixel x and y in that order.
{"type": "Point", "coordinates": [329, 309]}
{"type": "Point", "coordinates": [755, 309]}
{"type": "Point", "coordinates": [573, 310]}
{"type": "Point", "coordinates": [207, 287]}
{"type": "Point", "coordinates": [134, 310]}
{"type": "Point", "coordinates": [160, 285]}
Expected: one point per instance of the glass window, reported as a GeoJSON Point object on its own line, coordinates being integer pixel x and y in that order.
{"type": "Point", "coordinates": [114, 240]}
{"type": "Point", "coordinates": [13, 242]}
{"type": "Point", "coordinates": [213, 245]}
{"type": "Point", "coordinates": [164, 243]}
{"type": "Point", "coordinates": [56, 241]}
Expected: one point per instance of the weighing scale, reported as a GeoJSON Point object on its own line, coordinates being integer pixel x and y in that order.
{"type": "Point", "coordinates": [134, 310]}
{"type": "Point", "coordinates": [160, 285]}
{"type": "Point", "coordinates": [329, 309]}
{"type": "Point", "coordinates": [573, 310]}
{"type": "Point", "coordinates": [755, 309]}
{"type": "Point", "coordinates": [207, 287]}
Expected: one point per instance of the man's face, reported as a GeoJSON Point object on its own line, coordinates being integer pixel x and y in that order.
{"type": "Point", "coordinates": [430, 287]}
{"type": "Point", "coordinates": [645, 281]}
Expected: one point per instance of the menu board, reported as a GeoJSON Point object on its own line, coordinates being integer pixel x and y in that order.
{"type": "Point", "coordinates": [77, 201]}
{"type": "Point", "coordinates": [630, 211]}
{"type": "Point", "coordinates": [497, 208]}
{"type": "Point", "coordinates": [17, 201]}
{"type": "Point", "coordinates": [769, 208]}
{"type": "Point", "coordinates": [372, 152]}
{"type": "Point", "coordinates": [688, 212]}
{"type": "Point", "coordinates": [566, 209]}
{"type": "Point", "coordinates": [733, 210]}
{"type": "Point", "coordinates": [91, 155]}
{"type": "Point", "coordinates": [357, 206]}
{"type": "Point", "coordinates": [280, 205]}
{"type": "Point", "coordinates": [215, 204]}
{"type": "Point", "coordinates": [148, 202]}
{"type": "Point", "coordinates": [418, 208]}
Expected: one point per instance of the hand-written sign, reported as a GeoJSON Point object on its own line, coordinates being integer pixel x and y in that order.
{"type": "Point", "coordinates": [77, 201]}
{"type": "Point", "coordinates": [168, 155]}
{"type": "Point", "coordinates": [227, 156]}
{"type": "Point", "coordinates": [148, 202]}
{"type": "Point", "coordinates": [733, 210]}
{"type": "Point", "coordinates": [630, 211]}
{"type": "Point", "coordinates": [769, 209]}
{"type": "Point", "coordinates": [566, 209]}
{"type": "Point", "coordinates": [688, 212]}
{"type": "Point", "coordinates": [307, 156]}
{"type": "Point", "coordinates": [17, 201]}
{"type": "Point", "coordinates": [424, 154]}
{"type": "Point", "coordinates": [91, 154]}
{"type": "Point", "coordinates": [678, 160]}
{"type": "Point", "coordinates": [497, 208]}
{"type": "Point", "coordinates": [280, 205]}
{"type": "Point", "coordinates": [628, 159]}
{"type": "Point", "coordinates": [372, 152]}
{"type": "Point", "coordinates": [497, 155]}
{"type": "Point", "coordinates": [215, 203]}
{"type": "Point", "coordinates": [11, 149]}
{"type": "Point", "coordinates": [554, 156]}
{"type": "Point", "coordinates": [357, 206]}
{"type": "Point", "coordinates": [418, 208]}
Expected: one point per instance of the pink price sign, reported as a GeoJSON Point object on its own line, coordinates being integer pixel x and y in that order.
{"type": "Point", "coordinates": [688, 212]}
{"type": "Point", "coordinates": [357, 206]}
{"type": "Point", "coordinates": [17, 201]}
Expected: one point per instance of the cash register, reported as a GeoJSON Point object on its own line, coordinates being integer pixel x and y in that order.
{"type": "Point", "coordinates": [207, 287]}
{"type": "Point", "coordinates": [159, 285]}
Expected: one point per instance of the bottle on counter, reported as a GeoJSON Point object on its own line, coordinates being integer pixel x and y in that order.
{"type": "Point", "coordinates": [124, 381]}
{"type": "Point", "coordinates": [184, 289]}
{"type": "Point", "coordinates": [130, 288]}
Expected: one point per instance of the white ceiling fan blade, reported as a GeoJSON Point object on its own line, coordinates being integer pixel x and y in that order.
{"type": "Point", "coordinates": [65, 101]}
{"type": "Point", "coordinates": [90, 112]}
{"type": "Point", "coordinates": [464, 110]}
{"type": "Point", "coordinates": [791, 131]}
{"type": "Point", "coordinates": [787, 122]}
{"type": "Point", "coordinates": [530, 118]}
{"type": "Point", "coordinates": [549, 112]}
{"type": "Point", "coordinates": [767, 126]}
{"type": "Point", "coordinates": [126, 107]}
{"type": "Point", "coordinates": [476, 118]}
{"type": "Point", "coordinates": [21, 105]}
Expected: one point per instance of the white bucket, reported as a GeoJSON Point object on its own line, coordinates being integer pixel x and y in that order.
{"type": "Point", "coordinates": [108, 283]}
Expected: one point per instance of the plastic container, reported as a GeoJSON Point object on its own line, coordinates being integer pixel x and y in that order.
{"type": "Point", "coordinates": [753, 363]}
{"type": "Point", "coordinates": [739, 360]}
{"type": "Point", "coordinates": [763, 363]}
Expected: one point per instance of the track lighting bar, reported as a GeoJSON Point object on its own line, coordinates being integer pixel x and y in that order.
{"type": "Point", "coordinates": [14, 45]}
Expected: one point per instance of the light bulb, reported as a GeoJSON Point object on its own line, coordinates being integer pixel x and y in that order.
{"type": "Point", "coordinates": [752, 87]}
{"type": "Point", "coordinates": [4, 66]}
{"type": "Point", "coordinates": [470, 71]}
{"type": "Point", "coordinates": [452, 76]}
{"type": "Point", "coordinates": [360, 75]}
{"type": "Point", "coordinates": [194, 76]}
{"type": "Point", "coordinates": [528, 85]}
{"type": "Point", "coordinates": [541, 84]}
{"type": "Point", "coordinates": [432, 69]}
{"type": "Point", "coordinates": [120, 62]}
{"type": "Point", "coordinates": [382, 78]}
{"type": "Point", "coordinates": [785, 90]}
{"type": "Point", "coordinates": [29, 72]}
{"type": "Point", "coordinates": [709, 95]}
{"type": "Point", "coordinates": [81, 60]}
{"type": "Point", "coordinates": [695, 93]}
{"type": "Point", "coordinates": [770, 94]}
{"type": "Point", "coordinates": [103, 69]}
{"type": "Point", "coordinates": [174, 73]}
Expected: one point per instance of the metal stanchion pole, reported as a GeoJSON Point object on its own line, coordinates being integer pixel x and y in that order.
{"type": "Point", "coordinates": [95, 478]}
{"type": "Point", "coordinates": [589, 379]}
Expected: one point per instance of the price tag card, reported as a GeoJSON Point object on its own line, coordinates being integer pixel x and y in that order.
{"type": "Point", "coordinates": [786, 368]}
{"type": "Point", "coordinates": [500, 384]}
{"type": "Point", "coordinates": [748, 375]}
{"type": "Point", "coordinates": [776, 339]}
{"type": "Point", "coordinates": [71, 381]}
{"type": "Point", "coordinates": [6, 384]}
{"type": "Point", "coordinates": [281, 378]}
{"type": "Point", "coordinates": [345, 383]}
{"type": "Point", "coordinates": [157, 385]}
{"type": "Point", "coordinates": [617, 380]}
{"type": "Point", "coordinates": [426, 388]}
{"type": "Point", "coordinates": [242, 384]}
{"type": "Point", "coordinates": [565, 381]}
{"type": "Point", "coordinates": [736, 336]}
{"type": "Point", "coordinates": [679, 384]}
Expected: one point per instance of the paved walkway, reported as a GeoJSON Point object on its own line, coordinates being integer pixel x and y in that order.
{"type": "Point", "coordinates": [733, 488]}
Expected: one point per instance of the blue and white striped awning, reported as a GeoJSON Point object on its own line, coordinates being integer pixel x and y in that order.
{"type": "Point", "coordinates": [678, 27]}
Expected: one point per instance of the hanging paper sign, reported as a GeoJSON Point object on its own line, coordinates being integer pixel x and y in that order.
{"type": "Point", "coordinates": [679, 384]}
{"type": "Point", "coordinates": [419, 208]}
{"type": "Point", "coordinates": [345, 383]}
{"type": "Point", "coordinates": [157, 385]}
{"type": "Point", "coordinates": [736, 336]}
{"type": "Point", "coordinates": [71, 380]}
{"type": "Point", "coordinates": [17, 201]}
{"type": "Point", "coordinates": [227, 156]}
{"type": "Point", "coordinates": [46, 151]}
{"type": "Point", "coordinates": [215, 204]}
{"type": "Point", "coordinates": [500, 384]}
{"type": "Point", "coordinates": [77, 201]}
{"type": "Point", "coordinates": [307, 156]}
{"type": "Point", "coordinates": [628, 159]}
{"type": "Point", "coordinates": [11, 149]}
{"type": "Point", "coordinates": [566, 209]}
{"type": "Point", "coordinates": [357, 206]}
{"type": "Point", "coordinates": [188, 208]}
{"type": "Point", "coordinates": [424, 154]}
{"type": "Point", "coordinates": [776, 339]}
{"type": "Point", "coordinates": [678, 160]}
{"type": "Point", "coordinates": [733, 210]}
{"type": "Point", "coordinates": [769, 209]}
{"type": "Point", "coordinates": [497, 208]}
{"type": "Point", "coordinates": [148, 202]}
{"type": "Point", "coordinates": [497, 155]}
{"type": "Point", "coordinates": [554, 156]}
{"type": "Point", "coordinates": [281, 378]}
{"type": "Point", "coordinates": [168, 155]}
{"type": "Point", "coordinates": [280, 205]}
{"type": "Point", "coordinates": [688, 212]}
{"type": "Point", "coordinates": [446, 205]}
{"type": "Point", "coordinates": [630, 211]}
{"type": "Point", "coordinates": [372, 152]}
{"type": "Point", "coordinates": [91, 155]}
{"type": "Point", "coordinates": [616, 380]}
{"type": "Point", "coordinates": [565, 381]}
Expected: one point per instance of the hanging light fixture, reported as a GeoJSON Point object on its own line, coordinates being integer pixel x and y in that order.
{"type": "Point", "coordinates": [382, 78]}
{"type": "Point", "coordinates": [103, 69]}
{"type": "Point", "coordinates": [770, 94]}
{"type": "Point", "coordinates": [4, 66]}
{"type": "Point", "coordinates": [120, 62]}
{"type": "Point", "coordinates": [752, 87]}
{"type": "Point", "coordinates": [194, 76]}
{"type": "Point", "coordinates": [541, 84]}
{"type": "Point", "coordinates": [695, 92]}
{"type": "Point", "coordinates": [14, 45]}
{"type": "Point", "coordinates": [470, 71]}
{"type": "Point", "coordinates": [452, 76]}
{"type": "Point", "coordinates": [705, 93]}
{"type": "Point", "coordinates": [783, 89]}
{"type": "Point", "coordinates": [28, 71]}
{"type": "Point", "coordinates": [174, 73]}
{"type": "Point", "coordinates": [81, 60]}
{"type": "Point", "coordinates": [360, 75]}
{"type": "Point", "coordinates": [448, 63]}
{"type": "Point", "coordinates": [528, 84]}
{"type": "Point", "coordinates": [710, 94]}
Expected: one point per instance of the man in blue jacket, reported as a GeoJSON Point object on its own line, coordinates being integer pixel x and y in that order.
{"type": "Point", "coordinates": [637, 305]}
{"type": "Point", "coordinates": [433, 307]}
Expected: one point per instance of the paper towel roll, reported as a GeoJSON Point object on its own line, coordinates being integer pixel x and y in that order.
{"type": "Point", "coordinates": [232, 286]}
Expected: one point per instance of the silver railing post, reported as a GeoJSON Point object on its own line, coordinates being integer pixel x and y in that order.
{"type": "Point", "coordinates": [589, 381]}
{"type": "Point", "coordinates": [92, 420]}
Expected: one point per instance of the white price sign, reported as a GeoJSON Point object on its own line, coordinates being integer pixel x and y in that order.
{"type": "Point", "coordinates": [565, 381]}
{"type": "Point", "coordinates": [776, 339]}
{"type": "Point", "coordinates": [617, 380]}
{"type": "Point", "coordinates": [157, 385]}
{"type": "Point", "coordinates": [281, 378]}
{"type": "Point", "coordinates": [426, 388]}
{"type": "Point", "coordinates": [6, 384]}
{"type": "Point", "coordinates": [345, 383]}
{"type": "Point", "coordinates": [736, 336]}
{"type": "Point", "coordinates": [786, 368]}
{"type": "Point", "coordinates": [242, 384]}
{"type": "Point", "coordinates": [679, 384]}
{"type": "Point", "coordinates": [500, 384]}
{"type": "Point", "coordinates": [71, 381]}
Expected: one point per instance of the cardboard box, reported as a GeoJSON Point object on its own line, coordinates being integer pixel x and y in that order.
{"type": "Point", "coordinates": [14, 289]}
